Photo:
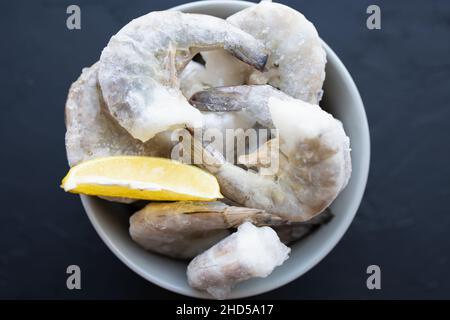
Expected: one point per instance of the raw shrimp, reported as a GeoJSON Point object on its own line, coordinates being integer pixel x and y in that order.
{"type": "Point", "coordinates": [184, 229]}
{"type": "Point", "coordinates": [296, 63]}
{"type": "Point", "coordinates": [248, 253]}
{"type": "Point", "coordinates": [314, 155]}
{"type": "Point", "coordinates": [93, 133]}
{"type": "Point", "coordinates": [139, 67]}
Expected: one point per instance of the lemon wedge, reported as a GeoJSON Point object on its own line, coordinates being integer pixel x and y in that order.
{"type": "Point", "coordinates": [146, 178]}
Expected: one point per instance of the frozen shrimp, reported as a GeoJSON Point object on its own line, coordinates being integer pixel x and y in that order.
{"type": "Point", "coordinates": [248, 253]}
{"type": "Point", "coordinates": [296, 63]}
{"type": "Point", "coordinates": [314, 155]}
{"type": "Point", "coordinates": [139, 67]}
{"type": "Point", "coordinates": [93, 133]}
{"type": "Point", "coordinates": [184, 229]}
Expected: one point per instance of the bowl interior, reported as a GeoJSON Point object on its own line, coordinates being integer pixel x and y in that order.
{"type": "Point", "coordinates": [342, 99]}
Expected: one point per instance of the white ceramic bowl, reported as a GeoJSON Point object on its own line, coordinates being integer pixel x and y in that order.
{"type": "Point", "coordinates": [342, 99]}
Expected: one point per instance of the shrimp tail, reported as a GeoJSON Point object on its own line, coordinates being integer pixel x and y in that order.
{"type": "Point", "coordinates": [237, 215]}
{"type": "Point", "coordinates": [256, 59]}
{"type": "Point", "coordinates": [252, 99]}
{"type": "Point", "coordinates": [232, 98]}
{"type": "Point", "coordinates": [222, 99]}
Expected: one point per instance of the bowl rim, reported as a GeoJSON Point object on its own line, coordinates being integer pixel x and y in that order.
{"type": "Point", "coordinates": [331, 242]}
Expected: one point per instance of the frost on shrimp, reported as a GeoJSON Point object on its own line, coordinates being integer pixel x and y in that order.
{"type": "Point", "coordinates": [195, 78]}
{"type": "Point", "coordinates": [248, 253]}
{"type": "Point", "coordinates": [93, 133]}
{"type": "Point", "coordinates": [139, 67]}
{"type": "Point", "coordinates": [296, 63]}
{"type": "Point", "coordinates": [314, 155]}
{"type": "Point", "coordinates": [184, 229]}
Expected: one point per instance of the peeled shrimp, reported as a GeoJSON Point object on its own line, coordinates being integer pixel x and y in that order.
{"type": "Point", "coordinates": [139, 67]}
{"type": "Point", "coordinates": [248, 253]}
{"type": "Point", "coordinates": [184, 229]}
{"type": "Point", "coordinates": [296, 63]}
{"type": "Point", "coordinates": [93, 133]}
{"type": "Point", "coordinates": [314, 155]}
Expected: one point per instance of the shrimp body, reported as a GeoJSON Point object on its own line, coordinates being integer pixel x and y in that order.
{"type": "Point", "coordinates": [296, 63]}
{"type": "Point", "coordinates": [314, 155]}
{"type": "Point", "coordinates": [93, 133]}
{"type": "Point", "coordinates": [139, 67]}
{"type": "Point", "coordinates": [184, 229]}
{"type": "Point", "coordinates": [248, 253]}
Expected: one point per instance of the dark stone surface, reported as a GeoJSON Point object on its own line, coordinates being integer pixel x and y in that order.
{"type": "Point", "coordinates": [403, 223]}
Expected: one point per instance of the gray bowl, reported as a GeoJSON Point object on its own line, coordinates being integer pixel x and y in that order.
{"type": "Point", "coordinates": [342, 99]}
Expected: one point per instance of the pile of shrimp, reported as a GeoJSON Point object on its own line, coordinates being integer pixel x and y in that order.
{"type": "Point", "coordinates": [264, 67]}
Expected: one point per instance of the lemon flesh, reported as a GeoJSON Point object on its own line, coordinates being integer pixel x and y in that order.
{"type": "Point", "coordinates": [145, 178]}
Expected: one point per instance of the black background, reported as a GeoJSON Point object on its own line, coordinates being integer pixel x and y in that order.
{"type": "Point", "coordinates": [403, 224]}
